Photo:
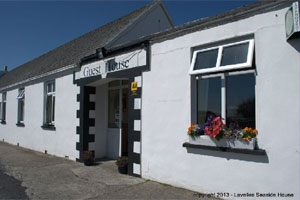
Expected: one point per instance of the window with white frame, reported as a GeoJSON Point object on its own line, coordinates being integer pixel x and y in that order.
{"type": "Point", "coordinates": [233, 56]}
{"type": "Point", "coordinates": [21, 104]}
{"type": "Point", "coordinates": [219, 92]}
{"type": "Point", "coordinates": [49, 117]}
{"type": "Point", "coordinates": [3, 107]}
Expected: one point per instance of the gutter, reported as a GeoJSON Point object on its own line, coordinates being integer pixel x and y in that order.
{"type": "Point", "coordinates": [73, 66]}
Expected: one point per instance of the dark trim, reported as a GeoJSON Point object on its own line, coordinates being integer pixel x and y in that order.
{"type": "Point", "coordinates": [48, 127]}
{"type": "Point", "coordinates": [92, 105]}
{"type": "Point", "coordinates": [20, 124]}
{"type": "Point", "coordinates": [3, 122]}
{"type": "Point", "coordinates": [127, 47]}
{"type": "Point", "coordinates": [85, 81]}
{"type": "Point", "coordinates": [136, 114]}
{"type": "Point", "coordinates": [127, 73]}
{"type": "Point", "coordinates": [84, 120]}
{"type": "Point", "coordinates": [91, 122]}
{"type": "Point", "coordinates": [115, 51]}
{"type": "Point", "coordinates": [258, 152]}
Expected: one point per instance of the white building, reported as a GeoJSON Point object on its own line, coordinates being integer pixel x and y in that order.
{"type": "Point", "coordinates": [238, 65]}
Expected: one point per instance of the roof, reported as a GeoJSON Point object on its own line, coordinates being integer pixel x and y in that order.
{"type": "Point", "coordinates": [71, 52]}
{"type": "Point", "coordinates": [223, 18]}
{"type": "Point", "coordinates": [213, 21]}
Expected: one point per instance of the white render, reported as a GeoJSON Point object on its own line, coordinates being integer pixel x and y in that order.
{"type": "Point", "coordinates": [166, 114]}
{"type": "Point", "coordinates": [62, 141]}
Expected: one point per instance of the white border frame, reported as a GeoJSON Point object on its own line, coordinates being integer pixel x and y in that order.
{"type": "Point", "coordinates": [218, 67]}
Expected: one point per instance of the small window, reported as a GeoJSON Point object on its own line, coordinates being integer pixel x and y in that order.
{"type": "Point", "coordinates": [3, 107]}
{"type": "Point", "coordinates": [232, 56]}
{"type": "Point", "coordinates": [49, 103]}
{"type": "Point", "coordinates": [21, 104]}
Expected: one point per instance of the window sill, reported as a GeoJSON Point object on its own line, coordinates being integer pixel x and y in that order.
{"type": "Point", "coordinates": [20, 124]}
{"type": "Point", "coordinates": [259, 152]}
{"type": "Point", "coordinates": [48, 127]}
{"type": "Point", "coordinates": [3, 122]}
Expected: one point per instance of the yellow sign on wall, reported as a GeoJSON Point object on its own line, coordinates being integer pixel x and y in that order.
{"type": "Point", "coordinates": [134, 87]}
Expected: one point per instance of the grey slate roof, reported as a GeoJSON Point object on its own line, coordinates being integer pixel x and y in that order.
{"type": "Point", "coordinates": [72, 51]}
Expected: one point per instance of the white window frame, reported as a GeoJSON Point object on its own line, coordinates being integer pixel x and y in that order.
{"type": "Point", "coordinates": [52, 93]}
{"type": "Point", "coordinates": [218, 67]}
{"type": "Point", "coordinates": [21, 97]}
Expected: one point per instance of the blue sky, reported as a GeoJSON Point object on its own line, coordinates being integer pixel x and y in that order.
{"type": "Point", "coordinates": [29, 29]}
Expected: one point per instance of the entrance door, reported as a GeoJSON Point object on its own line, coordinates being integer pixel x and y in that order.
{"type": "Point", "coordinates": [117, 140]}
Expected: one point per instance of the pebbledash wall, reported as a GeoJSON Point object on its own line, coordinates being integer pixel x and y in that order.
{"type": "Point", "coordinates": [166, 113]}
{"type": "Point", "coordinates": [60, 142]}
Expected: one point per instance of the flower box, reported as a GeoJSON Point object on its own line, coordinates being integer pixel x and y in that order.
{"type": "Point", "coordinates": [236, 143]}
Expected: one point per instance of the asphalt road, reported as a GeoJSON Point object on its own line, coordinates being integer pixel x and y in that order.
{"type": "Point", "coordinates": [10, 188]}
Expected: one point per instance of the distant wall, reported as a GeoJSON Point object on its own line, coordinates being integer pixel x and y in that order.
{"type": "Point", "coordinates": [62, 141]}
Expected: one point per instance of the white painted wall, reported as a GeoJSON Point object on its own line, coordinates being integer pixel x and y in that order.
{"type": "Point", "coordinates": [101, 121]}
{"type": "Point", "coordinates": [62, 141]}
{"type": "Point", "coordinates": [166, 114]}
{"type": "Point", "coordinates": [113, 143]}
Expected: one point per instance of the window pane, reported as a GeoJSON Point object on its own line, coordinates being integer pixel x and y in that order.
{"type": "Point", "coordinates": [48, 109]}
{"type": "Point", "coordinates": [21, 94]}
{"type": "Point", "coordinates": [113, 108]}
{"type": "Point", "coordinates": [206, 59]}
{"type": "Point", "coordinates": [4, 97]}
{"type": "Point", "coordinates": [49, 87]}
{"type": "Point", "coordinates": [209, 98]}
{"type": "Point", "coordinates": [235, 54]}
{"type": "Point", "coordinates": [3, 110]}
{"type": "Point", "coordinates": [240, 100]}
{"type": "Point", "coordinates": [21, 111]}
{"type": "Point", "coordinates": [53, 108]}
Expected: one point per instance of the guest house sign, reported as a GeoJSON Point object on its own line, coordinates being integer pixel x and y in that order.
{"type": "Point", "coordinates": [126, 61]}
